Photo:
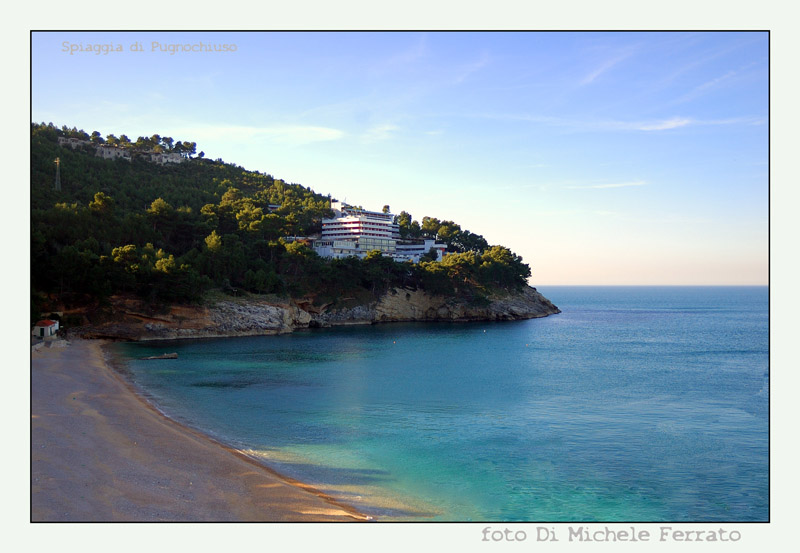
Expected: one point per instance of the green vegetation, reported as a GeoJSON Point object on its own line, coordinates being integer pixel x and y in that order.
{"type": "Point", "coordinates": [173, 233]}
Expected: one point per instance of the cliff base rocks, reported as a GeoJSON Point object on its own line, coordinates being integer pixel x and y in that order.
{"type": "Point", "coordinates": [130, 320]}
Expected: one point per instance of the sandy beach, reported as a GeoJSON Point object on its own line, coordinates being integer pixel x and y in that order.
{"type": "Point", "coordinates": [99, 452]}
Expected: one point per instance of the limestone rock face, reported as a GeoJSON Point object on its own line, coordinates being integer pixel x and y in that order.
{"type": "Point", "coordinates": [252, 318]}
{"type": "Point", "coordinates": [223, 318]}
{"type": "Point", "coordinates": [415, 305]}
{"type": "Point", "coordinates": [257, 318]}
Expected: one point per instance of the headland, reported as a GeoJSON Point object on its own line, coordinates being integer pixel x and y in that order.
{"type": "Point", "coordinates": [132, 319]}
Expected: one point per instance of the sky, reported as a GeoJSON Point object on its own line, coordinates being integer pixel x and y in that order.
{"type": "Point", "coordinates": [610, 158]}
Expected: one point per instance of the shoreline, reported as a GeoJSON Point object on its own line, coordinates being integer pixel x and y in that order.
{"type": "Point", "coordinates": [83, 334]}
{"type": "Point", "coordinates": [87, 422]}
{"type": "Point", "coordinates": [130, 318]}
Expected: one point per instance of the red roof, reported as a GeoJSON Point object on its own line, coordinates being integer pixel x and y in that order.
{"type": "Point", "coordinates": [46, 322]}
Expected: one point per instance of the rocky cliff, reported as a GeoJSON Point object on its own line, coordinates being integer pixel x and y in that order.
{"type": "Point", "coordinates": [416, 305]}
{"type": "Point", "coordinates": [238, 317]}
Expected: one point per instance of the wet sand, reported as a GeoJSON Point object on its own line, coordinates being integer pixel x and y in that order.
{"type": "Point", "coordinates": [99, 452]}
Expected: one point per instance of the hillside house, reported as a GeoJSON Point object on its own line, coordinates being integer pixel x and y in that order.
{"type": "Point", "coordinates": [167, 157]}
{"type": "Point", "coordinates": [72, 142]}
{"type": "Point", "coordinates": [108, 151]}
{"type": "Point", "coordinates": [112, 152]}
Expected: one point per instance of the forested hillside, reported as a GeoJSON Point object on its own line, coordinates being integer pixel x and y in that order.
{"type": "Point", "coordinates": [172, 233]}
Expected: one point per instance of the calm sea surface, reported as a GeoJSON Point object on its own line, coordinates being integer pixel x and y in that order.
{"type": "Point", "coordinates": [634, 404]}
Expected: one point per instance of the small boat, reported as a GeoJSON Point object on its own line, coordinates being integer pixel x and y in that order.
{"type": "Point", "coordinates": [164, 356]}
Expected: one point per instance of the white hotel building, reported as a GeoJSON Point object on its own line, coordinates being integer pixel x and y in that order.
{"type": "Point", "coordinates": [356, 232]}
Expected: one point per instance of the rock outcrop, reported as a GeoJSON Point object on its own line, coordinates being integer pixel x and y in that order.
{"type": "Point", "coordinates": [250, 318]}
{"type": "Point", "coordinates": [416, 305]}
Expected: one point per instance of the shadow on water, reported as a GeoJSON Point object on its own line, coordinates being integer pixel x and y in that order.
{"type": "Point", "coordinates": [337, 482]}
{"type": "Point", "coordinates": [337, 475]}
{"type": "Point", "coordinates": [225, 383]}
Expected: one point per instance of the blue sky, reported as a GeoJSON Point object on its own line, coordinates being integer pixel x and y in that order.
{"type": "Point", "coordinates": [601, 158]}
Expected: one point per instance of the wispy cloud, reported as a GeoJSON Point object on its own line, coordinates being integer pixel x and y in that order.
{"type": "Point", "coordinates": [379, 133]}
{"type": "Point", "coordinates": [202, 80]}
{"type": "Point", "coordinates": [729, 78]}
{"type": "Point", "coordinates": [302, 134]}
{"type": "Point", "coordinates": [609, 185]}
{"type": "Point", "coordinates": [700, 57]}
{"type": "Point", "coordinates": [677, 122]}
{"type": "Point", "coordinates": [564, 185]}
{"type": "Point", "coordinates": [666, 124]}
{"type": "Point", "coordinates": [606, 125]}
{"type": "Point", "coordinates": [603, 67]}
{"type": "Point", "coordinates": [591, 125]}
{"type": "Point", "coordinates": [292, 135]}
{"type": "Point", "coordinates": [735, 121]}
{"type": "Point", "coordinates": [714, 82]}
{"type": "Point", "coordinates": [706, 86]}
{"type": "Point", "coordinates": [609, 61]}
{"type": "Point", "coordinates": [582, 213]}
{"type": "Point", "coordinates": [410, 55]}
{"type": "Point", "coordinates": [472, 67]}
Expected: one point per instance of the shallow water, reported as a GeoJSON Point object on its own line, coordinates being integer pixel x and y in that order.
{"type": "Point", "coordinates": [634, 404]}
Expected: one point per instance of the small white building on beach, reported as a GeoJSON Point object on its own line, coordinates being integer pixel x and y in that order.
{"type": "Point", "coordinates": [45, 328]}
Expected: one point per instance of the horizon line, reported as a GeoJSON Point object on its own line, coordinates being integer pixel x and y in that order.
{"type": "Point", "coordinates": [663, 285]}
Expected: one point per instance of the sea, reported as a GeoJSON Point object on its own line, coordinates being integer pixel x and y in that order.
{"type": "Point", "coordinates": [635, 404]}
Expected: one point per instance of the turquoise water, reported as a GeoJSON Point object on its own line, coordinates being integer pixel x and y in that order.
{"type": "Point", "coordinates": [634, 404]}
